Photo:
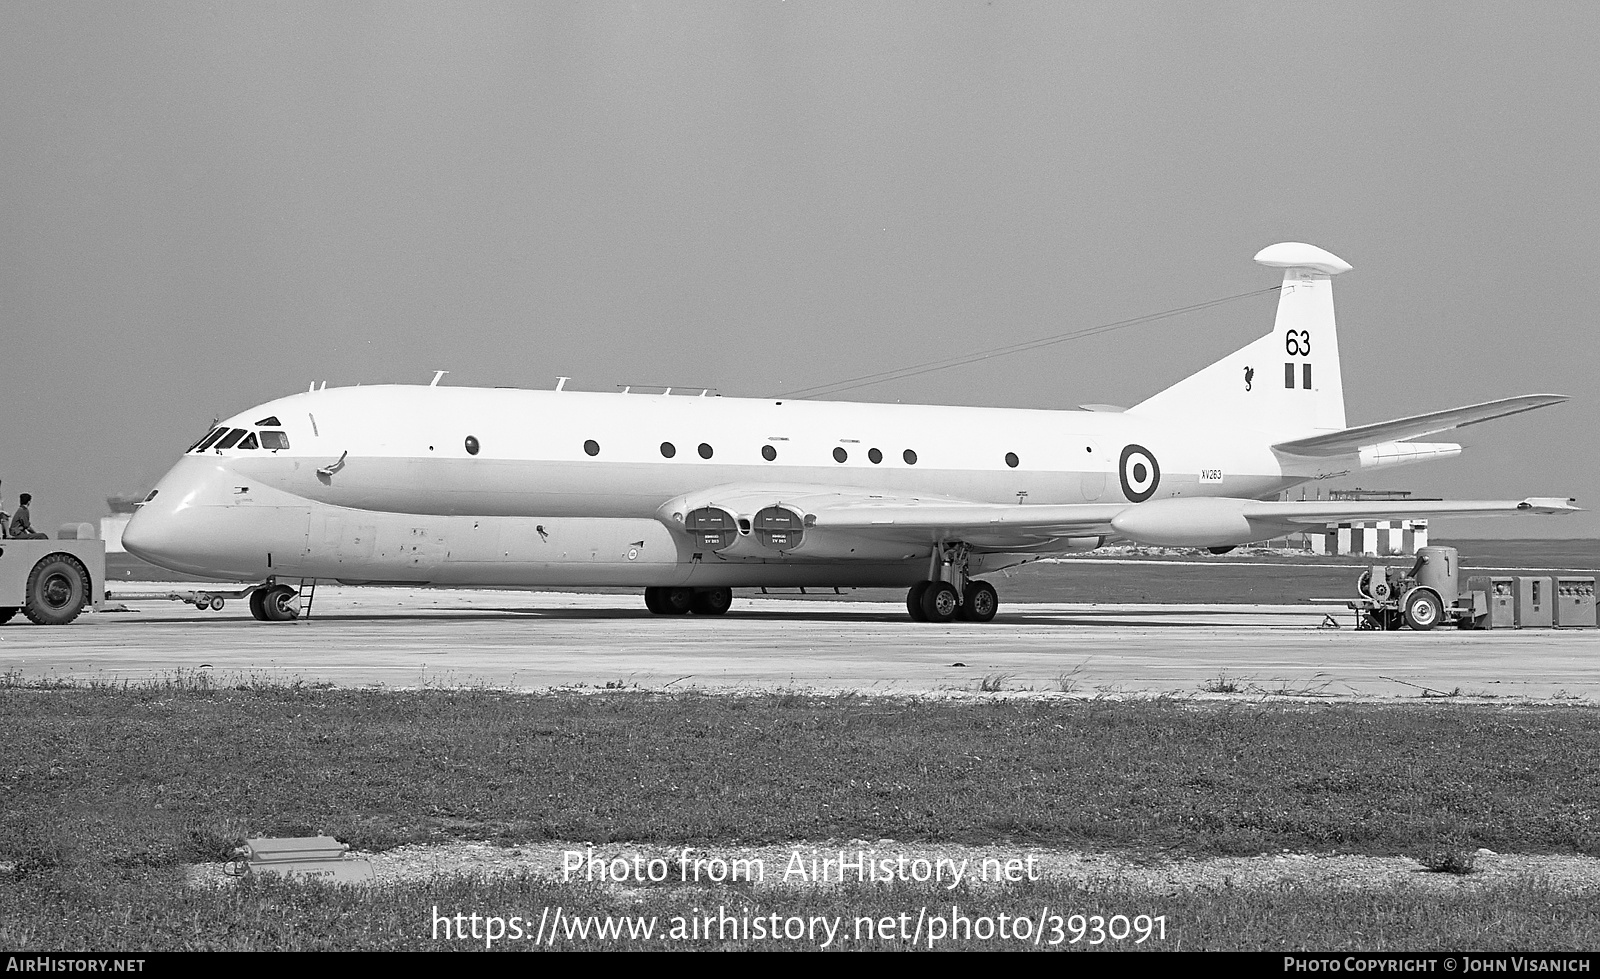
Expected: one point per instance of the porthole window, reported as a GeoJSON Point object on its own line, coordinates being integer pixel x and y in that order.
{"type": "Point", "coordinates": [1088, 448]}
{"type": "Point", "coordinates": [1012, 460]}
{"type": "Point", "coordinates": [840, 455]}
{"type": "Point", "coordinates": [591, 447]}
{"type": "Point", "coordinates": [705, 450]}
{"type": "Point", "coordinates": [769, 453]}
{"type": "Point", "coordinates": [910, 457]}
{"type": "Point", "coordinates": [875, 456]}
{"type": "Point", "coordinates": [472, 445]}
{"type": "Point", "coordinates": [668, 450]}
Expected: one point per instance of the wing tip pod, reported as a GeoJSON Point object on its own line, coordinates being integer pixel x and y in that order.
{"type": "Point", "coordinates": [1549, 504]}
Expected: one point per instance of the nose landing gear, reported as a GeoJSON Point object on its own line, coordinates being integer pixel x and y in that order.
{"type": "Point", "coordinates": [275, 603]}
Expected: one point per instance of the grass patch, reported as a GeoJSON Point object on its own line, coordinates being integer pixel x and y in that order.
{"type": "Point", "coordinates": [152, 776]}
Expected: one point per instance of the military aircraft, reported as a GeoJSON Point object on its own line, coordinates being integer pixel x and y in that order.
{"type": "Point", "coordinates": [690, 497]}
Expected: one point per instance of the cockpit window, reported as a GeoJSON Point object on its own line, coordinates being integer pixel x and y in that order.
{"type": "Point", "coordinates": [269, 420]}
{"type": "Point", "coordinates": [250, 442]}
{"type": "Point", "coordinates": [205, 443]}
{"type": "Point", "coordinates": [274, 440]}
{"type": "Point", "coordinates": [231, 439]}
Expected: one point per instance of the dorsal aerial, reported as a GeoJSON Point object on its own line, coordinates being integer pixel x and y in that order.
{"type": "Point", "coordinates": [690, 497]}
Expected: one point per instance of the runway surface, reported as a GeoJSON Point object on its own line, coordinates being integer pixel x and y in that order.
{"type": "Point", "coordinates": [406, 637]}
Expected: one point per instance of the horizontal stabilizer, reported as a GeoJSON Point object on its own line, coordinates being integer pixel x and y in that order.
{"type": "Point", "coordinates": [1350, 441]}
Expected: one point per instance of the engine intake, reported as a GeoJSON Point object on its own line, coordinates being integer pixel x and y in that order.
{"type": "Point", "coordinates": [778, 528]}
{"type": "Point", "coordinates": [712, 529]}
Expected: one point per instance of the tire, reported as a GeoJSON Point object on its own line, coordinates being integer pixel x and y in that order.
{"type": "Point", "coordinates": [914, 601]}
{"type": "Point", "coordinates": [1422, 609]}
{"type": "Point", "coordinates": [652, 600]}
{"type": "Point", "coordinates": [276, 604]}
{"type": "Point", "coordinates": [58, 589]}
{"type": "Point", "coordinates": [7, 612]}
{"type": "Point", "coordinates": [940, 602]}
{"type": "Point", "coordinates": [711, 601]}
{"type": "Point", "coordinates": [981, 602]}
{"type": "Point", "coordinates": [258, 610]}
{"type": "Point", "coordinates": [676, 601]}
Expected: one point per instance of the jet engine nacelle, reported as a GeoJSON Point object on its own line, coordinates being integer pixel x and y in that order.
{"type": "Point", "coordinates": [1213, 522]}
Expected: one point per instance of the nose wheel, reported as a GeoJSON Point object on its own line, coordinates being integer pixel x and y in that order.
{"type": "Point", "coordinates": [275, 603]}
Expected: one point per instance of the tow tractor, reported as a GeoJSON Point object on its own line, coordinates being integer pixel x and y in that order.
{"type": "Point", "coordinates": [50, 581]}
{"type": "Point", "coordinates": [1426, 596]}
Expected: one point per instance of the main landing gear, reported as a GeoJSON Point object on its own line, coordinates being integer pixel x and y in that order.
{"type": "Point", "coordinates": [678, 601]}
{"type": "Point", "coordinates": [941, 600]}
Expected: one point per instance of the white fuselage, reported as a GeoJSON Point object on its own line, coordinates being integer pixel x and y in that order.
{"type": "Point", "coordinates": [377, 484]}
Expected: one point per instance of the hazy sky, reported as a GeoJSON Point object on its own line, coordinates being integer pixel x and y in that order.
{"type": "Point", "coordinates": [205, 206]}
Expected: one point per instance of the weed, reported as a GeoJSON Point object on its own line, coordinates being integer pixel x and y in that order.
{"type": "Point", "coordinates": [1221, 684]}
{"type": "Point", "coordinates": [993, 682]}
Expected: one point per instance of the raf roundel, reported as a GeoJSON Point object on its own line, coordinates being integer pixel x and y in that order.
{"type": "Point", "coordinates": [1140, 473]}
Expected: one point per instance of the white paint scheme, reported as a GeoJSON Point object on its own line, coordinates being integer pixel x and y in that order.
{"type": "Point", "coordinates": [378, 483]}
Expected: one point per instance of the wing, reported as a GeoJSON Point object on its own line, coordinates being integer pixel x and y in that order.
{"type": "Point", "coordinates": [1352, 440]}
{"type": "Point", "coordinates": [830, 521]}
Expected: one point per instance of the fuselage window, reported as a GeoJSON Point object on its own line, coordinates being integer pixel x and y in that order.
{"type": "Point", "coordinates": [231, 439]}
{"type": "Point", "coordinates": [591, 447]}
{"type": "Point", "coordinates": [472, 445]}
{"type": "Point", "coordinates": [910, 457]}
{"type": "Point", "coordinates": [205, 443]}
{"type": "Point", "coordinates": [875, 456]}
{"type": "Point", "coordinates": [269, 421]}
{"type": "Point", "coordinates": [250, 442]}
{"type": "Point", "coordinates": [1012, 460]}
{"type": "Point", "coordinates": [705, 450]}
{"type": "Point", "coordinates": [274, 440]}
{"type": "Point", "coordinates": [769, 453]}
{"type": "Point", "coordinates": [840, 455]}
{"type": "Point", "coordinates": [668, 450]}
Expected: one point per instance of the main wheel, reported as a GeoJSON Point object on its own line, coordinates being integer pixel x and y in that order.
{"type": "Point", "coordinates": [676, 601]}
{"type": "Point", "coordinates": [258, 610]}
{"type": "Point", "coordinates": [940, 602]}
{"type": "Point", "coordinates": [711, 601]}
{"type": "Point", "coordinates": [281, 604]}
{"type": "Point", "coordinates": [1422, 609]}
{"type": "Point", "coordinates": [7, 612]}
{"type": "Point", "coordinates": [981, 602]}
{"type": "Point", "coordinates": [58, 588]}
{"type": "Point", "coordinates": [914, 601]}
{"type": "Point", "coordinates": [652, 600]}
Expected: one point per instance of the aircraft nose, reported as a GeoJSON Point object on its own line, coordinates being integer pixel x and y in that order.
{"type": "Point", "coordinates": [151, 535]}
{"type": "Point", "coordinates": [170, 528]}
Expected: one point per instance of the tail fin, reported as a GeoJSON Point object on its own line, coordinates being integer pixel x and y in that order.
{"type": "Point", "coordinates": [1288, 382]}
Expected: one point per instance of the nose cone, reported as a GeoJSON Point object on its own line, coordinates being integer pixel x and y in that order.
{"type": "Point", "coordinates": [153, 536]}
{"type": "Point", "coordinates": [179, 527]}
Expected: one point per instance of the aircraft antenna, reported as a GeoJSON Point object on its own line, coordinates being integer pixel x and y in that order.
{"type": "Point", "coordinates": [561, 382]}
{"type": "Point", "coordinates": [914, 370]}
{"type": "Point", "coordinates": [437, 376]}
